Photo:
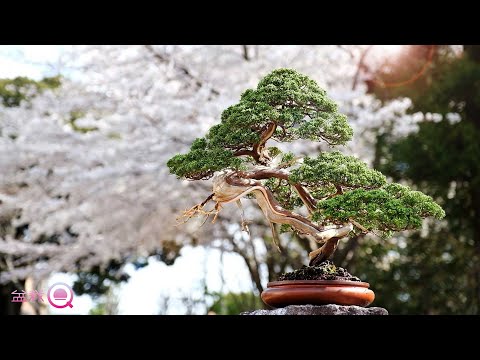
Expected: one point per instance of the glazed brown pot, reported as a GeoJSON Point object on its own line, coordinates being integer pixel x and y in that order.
{"type": "Point", "coordinates": [317, 292]}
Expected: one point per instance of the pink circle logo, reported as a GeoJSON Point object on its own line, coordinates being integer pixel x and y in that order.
{"type": "Point", "coordinates": [60, 295]}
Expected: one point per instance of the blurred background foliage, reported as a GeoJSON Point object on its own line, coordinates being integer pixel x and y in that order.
{"type": "Point", "coordinates": [437, 272]}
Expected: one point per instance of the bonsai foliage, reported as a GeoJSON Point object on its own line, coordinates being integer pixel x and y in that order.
{"type": "Point", "coordinates": [340, 193]}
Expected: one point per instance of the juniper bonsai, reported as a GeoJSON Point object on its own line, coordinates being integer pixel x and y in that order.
{"type": "Point", "coordinates": [340, 193]}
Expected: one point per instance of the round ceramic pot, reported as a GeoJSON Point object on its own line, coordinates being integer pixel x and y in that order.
{"type": "Point", "coordinates": [317, 292]}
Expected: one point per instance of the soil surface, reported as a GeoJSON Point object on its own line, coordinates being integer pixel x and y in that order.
{"type": "Point", "coordinates": [324, 271]}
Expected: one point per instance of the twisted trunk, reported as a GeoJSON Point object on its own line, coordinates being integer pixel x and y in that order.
{"type": "Point", "coordinates": [232, 186]}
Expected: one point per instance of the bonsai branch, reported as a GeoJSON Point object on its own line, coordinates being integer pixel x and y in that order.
{"type": "Point", "coordinates": [198, 210]}
{"type": "Point", "coordinates": [244, 221]}
{"type": "Point", "coordinates": [244, 152]}
{"type": "Point", "coordinates": [232, 186]}
{"type": "Point", "coordinates": [207, 199]}
{"type": "Point", "coordinates": [307, 199]}
{"type": "Point", "coordinates": [258, 150]}
{"type": "Point", "coordinates": [302, 192]}
{"type": "Point", "coordinates": [365, 230]}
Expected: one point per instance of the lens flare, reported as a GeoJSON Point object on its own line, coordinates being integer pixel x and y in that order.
{"type": "Point", "coordinates": [389, 50]}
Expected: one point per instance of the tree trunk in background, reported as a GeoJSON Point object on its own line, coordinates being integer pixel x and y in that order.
{"type": "Point", "coordinates": [245, 52]}
{"type": "Point", "coordinates": [6, 305]}
{"type": "Point", "coordinates": [476, 244]}
{"type": "Point", "coordinates": [344, 256]}
{"type": "Point", "coordinates": [36, 307]}
{"type": "Point", "coordinates": [473, 52]}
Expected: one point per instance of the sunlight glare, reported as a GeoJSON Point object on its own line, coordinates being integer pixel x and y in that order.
{"type": "Point", "coordinates": [389, 50]}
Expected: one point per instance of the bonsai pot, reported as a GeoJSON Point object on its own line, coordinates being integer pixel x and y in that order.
{"type": "Point", "coordinates": [317, 292]}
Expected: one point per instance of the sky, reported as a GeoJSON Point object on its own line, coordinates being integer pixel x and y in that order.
{"type": "Point", "coordinates": [148, 286]}
{"type": "Point", "coordinates": [33, 61]}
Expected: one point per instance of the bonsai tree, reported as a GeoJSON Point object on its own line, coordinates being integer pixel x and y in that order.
{"type": "Point", "coordinates": [340, 194]}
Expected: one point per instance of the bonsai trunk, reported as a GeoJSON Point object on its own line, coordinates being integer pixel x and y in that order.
{"type": "Point", "coordinates": [232, 186]}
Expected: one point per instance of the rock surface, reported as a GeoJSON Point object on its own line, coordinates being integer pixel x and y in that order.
{"type": "Point", "coordinates": [330, 309]}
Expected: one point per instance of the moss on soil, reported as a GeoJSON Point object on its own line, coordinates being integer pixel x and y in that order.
{"type": "Point", "coordinates": [324, 271]}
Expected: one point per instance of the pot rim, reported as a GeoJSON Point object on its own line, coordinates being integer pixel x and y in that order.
{"type": "Point", "coordinates": [318, 283]}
